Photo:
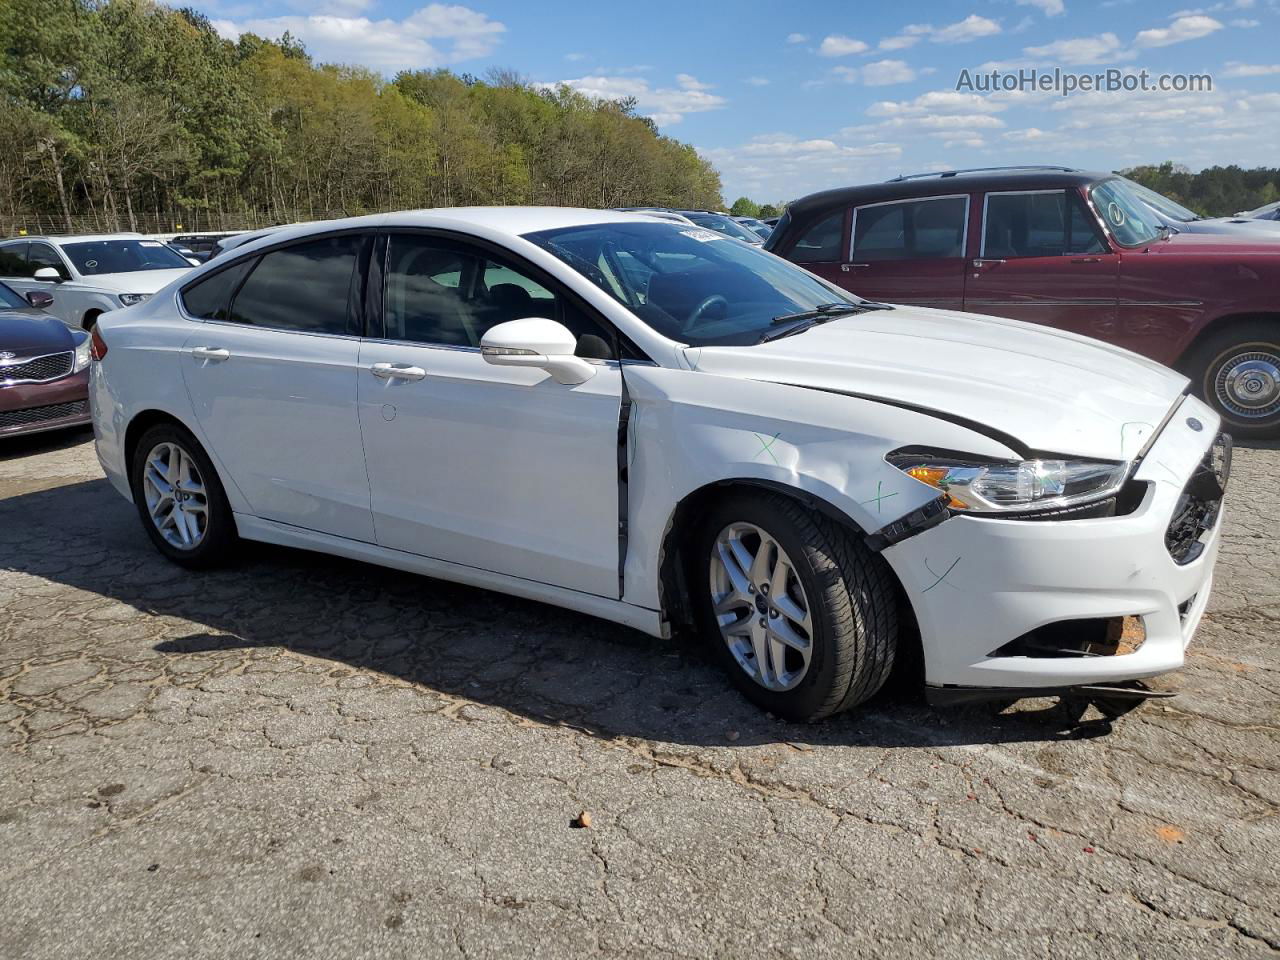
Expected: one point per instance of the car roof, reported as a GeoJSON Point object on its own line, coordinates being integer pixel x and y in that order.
{"type": "Point", "coordinates": [56, 239]}
{"type": "Point", "coordinates": [946, 182]}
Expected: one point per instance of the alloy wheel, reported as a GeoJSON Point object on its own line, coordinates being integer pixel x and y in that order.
{"type": "Point", "coordinates": [760, 606]}
{"type": "Point", "coordinates": [175, 495]}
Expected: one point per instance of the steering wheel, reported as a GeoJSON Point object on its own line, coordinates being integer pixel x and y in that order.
{"type": "Point", "coordinates": [695, 318]}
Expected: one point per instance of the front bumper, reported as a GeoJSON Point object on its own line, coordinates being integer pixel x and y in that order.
{"type": "Point", "coordinates": [976, 584]}
{"type": "Point", "coordinates": [35, 407]}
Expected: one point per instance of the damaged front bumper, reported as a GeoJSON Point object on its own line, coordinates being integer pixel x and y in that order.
{"type": "Point", "coordinates": [995, 598]}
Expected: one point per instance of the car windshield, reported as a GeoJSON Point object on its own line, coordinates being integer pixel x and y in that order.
{"type": "Point", "coordinates": [1130, 220]}
{"type": "Point", "coordinates": [724, 225]}
{"type": "Point", "coordinates": [691, 285]}
{"type": "Point", "coordinates": [1162, 204]}
{"type": "Point", "coordinates": [10, 299]}
{"type": "Point", "coordinates": [122, 256]}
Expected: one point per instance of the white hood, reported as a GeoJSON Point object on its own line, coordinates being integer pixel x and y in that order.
{"type": "Point", "coordinates": [137, 281]}
{"type": "Point", "coordinates": [1053, 391]}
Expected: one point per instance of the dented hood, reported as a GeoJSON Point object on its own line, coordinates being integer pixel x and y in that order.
{"type": "Point", "coordinates": [1052, 391]}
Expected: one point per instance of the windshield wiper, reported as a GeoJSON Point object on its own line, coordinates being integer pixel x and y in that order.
{"type": "Point", "coordinates": [793, 323]}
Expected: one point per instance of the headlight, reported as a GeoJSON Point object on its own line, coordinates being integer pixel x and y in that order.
{"type": "Point", "coordinates": [82, 355]}
{"type": "Point", "coordinates": [1011, 486]}
{"type": "Point", "coordinates": [129, 299]}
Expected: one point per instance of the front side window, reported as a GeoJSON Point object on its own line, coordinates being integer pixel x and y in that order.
{"type": "Point", "coordinates": [122, 256]}
{"type": "Point", "coordinates": [41, 255]}
{"type": "Point", "coordinates": [304, 287]}
{"type": "Point", "coordinates": [928, 229]}
{"type": "Point", "coordinates": [444, 293]}
{"type": "Point", "coordinates": [1130, 221]}
{"type": "Point", "coordinates": [821, 242]}
{"type": "Point", "coordinates": [691, 285]}
{"type": "Point", "coordinates": [13, 260]}
{"type": "Point", "coordinates": [1037, 224]}
{"type": "Point", "coordinates": [209, 298]}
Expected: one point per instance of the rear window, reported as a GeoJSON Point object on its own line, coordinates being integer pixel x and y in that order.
{"type": "Point", "coordinates": [821, 242]}
{"type": "Point", "coordinates": [927, 229]}
{"type": "Point", "coordinates": [304, 287]}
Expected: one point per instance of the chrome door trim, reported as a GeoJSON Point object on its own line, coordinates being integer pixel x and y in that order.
{"type": "Point", "coordinates": [853, 224]}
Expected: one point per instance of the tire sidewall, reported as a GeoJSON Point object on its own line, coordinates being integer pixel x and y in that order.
{"type": "Point", "coordinates": [814, 689]}
{"type": "Point", "coordinates": [1211, 360]}
{"type": "Point", "coordinates": [220, 531]}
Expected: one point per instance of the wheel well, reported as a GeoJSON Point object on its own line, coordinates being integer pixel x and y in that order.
{"type": "Point", "coordinates": [139, 425]}
{"type": "Point", "coordinates": [1215, 329]}
{"type": "Point", "coordinates": [90, 318]}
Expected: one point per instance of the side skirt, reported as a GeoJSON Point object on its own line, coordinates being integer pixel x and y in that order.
{"type": "Point", "coordinates": [629, 615]}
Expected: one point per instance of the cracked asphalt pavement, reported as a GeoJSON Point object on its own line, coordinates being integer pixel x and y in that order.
{"type": "Point", "coordinates": [308, 757]}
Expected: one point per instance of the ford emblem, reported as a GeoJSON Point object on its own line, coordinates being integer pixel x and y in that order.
{"type": "Point", "coordinates": [1195, 424]}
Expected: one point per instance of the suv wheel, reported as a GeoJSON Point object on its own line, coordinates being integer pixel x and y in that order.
{"type": "Point", "coordinates": [1237, 371]}
{"type": "Point", "coordinates": [799, 612]}
{"type": "Point", "coordinates": [180, 499]}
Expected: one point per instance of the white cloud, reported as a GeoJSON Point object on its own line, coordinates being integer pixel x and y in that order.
{"type": "Point", "coordinates": [664, 105]}
{"type": "Point", "coordinates": [837, 45]}
{"type": "Point", "coordinates": [1183, 28]}
{"type": "Point", "coordinates": [783, 166]}
{"type": "Point", "coordinates": [900, 42]}
{"type": "Point", "coordinates": [1080, 51]}
{"type": "Point", "coordinates": [884, 72]}
{"type": "Point", "coordinates": [432, 36]}
{"type": "Point", "coordinates": [935, 102]}
{"type": "Point", "coordinates": [797, 38]}
{"type": "Point", "coordinates": [1237, 69]}
{"type": "Point", "coordinates": [1246, 24]}
{"type": "Point", "coordinates": [970, 28]}
{"type": "Point", "coordinates": [758, 81]}
{"type": "Point", "coordinates": [1051, 8]}
{"type": "Point", "coordinates": [575, 57]}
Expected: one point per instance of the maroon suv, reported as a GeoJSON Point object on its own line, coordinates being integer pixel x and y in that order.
{"type": "Point", "coordinates": [44, 367]}
{"type": "Point", "coordinates": [1067, 248]}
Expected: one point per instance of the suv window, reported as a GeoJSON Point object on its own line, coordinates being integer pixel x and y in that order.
{"type": "Point", "coordinates": [40, 255]}
{"type": "Point", "coordinates": [444, 293]}
{"type": "Point", "coordinates": [926, 229]}
{"type": "Point", "coordinates": [1037, 224]}
{"type": "Point", "coordinates": [209, 298]}
{"type": "Point", "coordinates": [13, 260]}
{"type": "Point", "coordinates": [821, 242]}
{"type": "Point", "coordinates": [305, 287]}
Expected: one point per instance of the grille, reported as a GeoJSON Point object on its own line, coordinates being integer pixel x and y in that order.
{"type": "Point", "coordinates": [49, 367]}
{"type": "Point", "coordinates": [1198, 506]}
{"type": "Point", "coordinates": [54, 411]}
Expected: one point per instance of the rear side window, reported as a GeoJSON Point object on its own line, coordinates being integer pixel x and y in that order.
{"type": "Point", "coordinates": [304, 287]}
{"type": "Point", "coordinates": [13, 260]}
{"type": "Point", "coordinates": [1046, 224]}
{"type": "Point", "coordinates": [821, 242]}
{"type": "Point", "coordinates": [927, 229]}
{"type": "Point", "coordinates": [209, 298]}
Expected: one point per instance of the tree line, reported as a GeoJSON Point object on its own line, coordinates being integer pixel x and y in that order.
{"type": "Point", "coordinates": [1214, 191]}
{"type": "Point", "coordinates": [129, 115]}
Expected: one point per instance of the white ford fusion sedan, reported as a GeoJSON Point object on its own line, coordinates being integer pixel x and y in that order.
{"type": "Point", "coordinates": [658, 425]}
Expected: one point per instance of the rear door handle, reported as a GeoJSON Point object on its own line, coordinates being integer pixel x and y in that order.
{"type": "Point", "coordinates": [980, 262]}
{"type": "Point", "coordinates": [215, 354]}
{"type": "Point", "coordinates": [397, 371]}
{"type": "Point", "coordinates": [846, 267]}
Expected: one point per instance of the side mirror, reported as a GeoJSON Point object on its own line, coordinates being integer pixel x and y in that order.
{"type": "Point", "coordinates": [48, 274]}
{"type": "Point", "coordinates": [536, 342]}
{"type": "Point", "coordinates": [38, 298]}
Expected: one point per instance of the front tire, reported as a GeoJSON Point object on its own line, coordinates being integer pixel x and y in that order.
{"type": "Point", "coordinates": [180, 499]}
{"type": "Point", "coordinates": [1237, 372]}
{"type": "Point", "coordinates": [799, 612]}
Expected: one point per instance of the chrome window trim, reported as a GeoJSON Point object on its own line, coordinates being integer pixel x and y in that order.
{"type": "Point", "coordinates": [853, 225]}
{"type": "Point", "coordinates": [5, 364]}
{"type": "Point", "coordinates": [982, 244]}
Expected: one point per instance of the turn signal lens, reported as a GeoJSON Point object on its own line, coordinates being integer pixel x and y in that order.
{"type": "Point", "coordinates": [97, 346]}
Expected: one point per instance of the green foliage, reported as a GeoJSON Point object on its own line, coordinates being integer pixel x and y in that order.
{"type": "Point", "coordinates": [744, 207]}
{"type": "Point", "coordinates": [1214, 191]}
{"type": "Point", "coordinates": [128, 114]}
{"type": "Point", "coordinates": [769, 210]}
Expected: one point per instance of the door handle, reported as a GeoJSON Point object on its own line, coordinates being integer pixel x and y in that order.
{"type": "Point", "coordinates": [980, 262]}
{"type": "Point", "coordinates": [1086, 259]}
{"type": "Point", "coordinates": [397, 371]}
{"type": "Point", "coordinates": [846, 267]}
{"type": "Point", "coordinates": [215, 354]}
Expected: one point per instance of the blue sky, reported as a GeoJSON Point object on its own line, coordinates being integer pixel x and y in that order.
{"type": "Point", "coordinates": [787, 99]}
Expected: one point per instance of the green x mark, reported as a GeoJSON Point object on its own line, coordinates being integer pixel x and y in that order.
{"type": "Point", "coordinates": [880, 496]}
{"type": "Point", "coordinates": [766, 444]}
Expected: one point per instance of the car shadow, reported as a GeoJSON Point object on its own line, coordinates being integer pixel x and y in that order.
{"type": "Point", "coordinates": [531, 659]}
{"type": "Point", "coordinates": [26, 445]}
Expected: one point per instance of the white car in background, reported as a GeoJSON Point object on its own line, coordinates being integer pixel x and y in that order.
{"type": "Point", "coordinates": [90, 274]}
{"type": "Point", "coordinates": [661, 426]}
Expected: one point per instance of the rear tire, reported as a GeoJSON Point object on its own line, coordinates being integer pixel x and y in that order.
{"type": "Point", "coordinates": [1237, 372]}
{"type": "Point", "coordinates": [180, 499]}
{"type": "Point", "coordinates": [837, 592]}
